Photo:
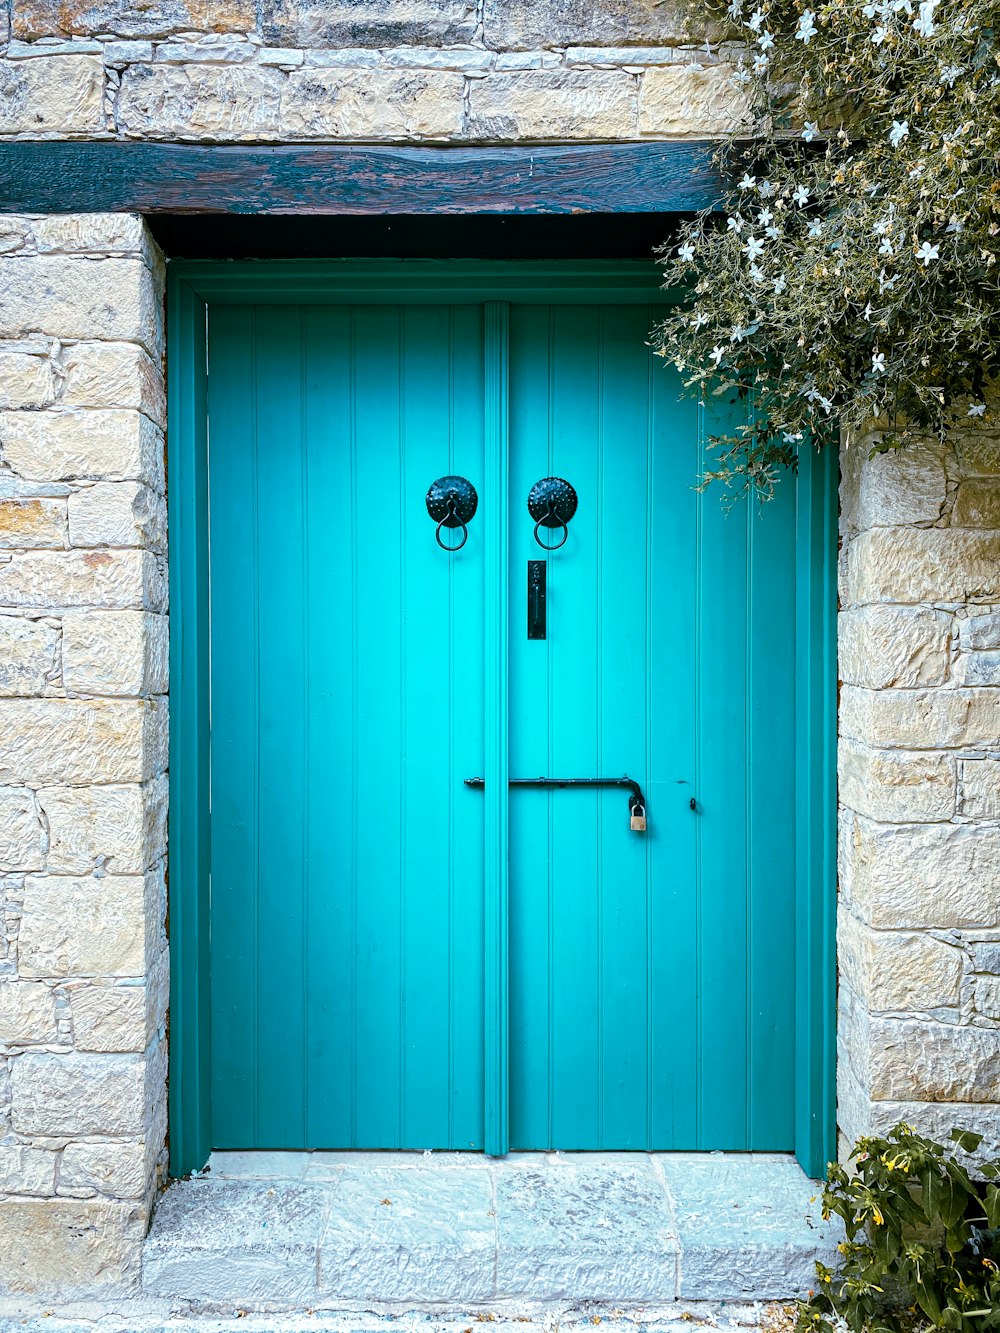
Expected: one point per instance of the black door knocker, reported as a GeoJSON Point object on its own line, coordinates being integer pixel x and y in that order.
{"type": "Point", "coordinates": [552, 503]}
{"type": "Point", "coordinates": [452, 503]}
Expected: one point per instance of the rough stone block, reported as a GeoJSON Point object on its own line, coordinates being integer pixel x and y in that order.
{"type": "Point", "coordinates": [234, 102]}
{"type": "Point", "coordinates": [118, 1169]}
{"type": "Point", "coordinates": [109, 1018]}
{"type": "Point", "coordinates": [537, 23]}
{"type": "Point", "coordinates": [119, 828]}
{"type": "Point", "coordinates": [978, 668]}
{"type": "Point", "coordinates": [895, 786]}
{"type": "Point", "coordinates": [52, 1095]}
{"type": "Point", "coordinates": [79, 445]}
{"type": "Point", "coordinates": [114, 652]}
{"type": "Point", "coordinates": [76, 296]}
{"type": "Point", "coordinates": [882, 645]}
{"type": "Point", "coordinates": [83, 927]}
{"type": "Point", "coordinates": [921, 719]}
{"type": "Point", "coordinates": [987, 998]}
{"type": "Point", "coordinates": [933, 1062]}
{"type": "Point", "coordinates": [980, 789]}
{"type": "Point", "coordinates": [553, 104]}
{"type": "Point", "coordinates": [979, 454]}
{"type": "Point", "coordinates": [562, 1233]}
{"type": "Point", "coordinates": [27, 1016]}
{"type": "Point", "coordinates": [858, 1115]}
{"type": "Point", "coordinates": [100, 234]}
{"type": "Point", "coordinates": [977, 505]}
{"type": "Point", "coordinates": [79, 741]}
{"type": "Point", "coordinates": [892, 971]}
{"type": "Point", "coordinates": [118, 513]}
{"type": "Point", "coordinates": [986, 957]}
{"type": "Point", "coordinates": [272, 1238]}
{"type": "Point", "coordinates": [124, 18]}
{"type": "Point", "coordinates": [52, 94]}
{"type": "Point", "coordinates": [26, 1171]}
{"type": "Point", "coordinates": [29, 657]}
{"type": "Point", "coordinates": [891, 489]}
{"type": "Point", "coordinates": [113, 375]}
{"type": "Point", "coordinates": [385, 23]}
{"type": "Point", "coordinates": [26, 378]}
{"type": "Point", "coordinates": [26, 524]}
{"type": "Point", "coordinates": [915, 876]}
{"type": "Point", "coordinates": [372, 104]}
{"type": "Point", "coordinates": [675, 100]}
{"type": "Point", "coordinates": [22, 833]}
{"type": "Point", "coordinates": [69, 1247]}
{"type": "Point", "coordinates": [923, 565]}
{"type": "Point", "coordinates": [57, 579]}
{"type": "Point", "coordinates": [978, 632]}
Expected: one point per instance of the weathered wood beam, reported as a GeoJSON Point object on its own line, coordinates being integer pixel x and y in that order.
{"type": "Point", "coordinates": [63, 176]}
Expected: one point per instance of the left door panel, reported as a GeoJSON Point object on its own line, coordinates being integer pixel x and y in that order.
{"type": "Point", "coordinates": [347, 688]}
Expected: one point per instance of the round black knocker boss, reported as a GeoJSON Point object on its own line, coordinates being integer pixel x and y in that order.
{"type": "Point", "coordinates": [552, 503]}
{"type": "Point", "coordinates": [452, 503]}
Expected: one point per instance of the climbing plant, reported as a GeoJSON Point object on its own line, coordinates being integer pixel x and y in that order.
{"type": "Point", "coordinates": [922, 1247]}
{"type": "Point", "coordinates": [851, 272]}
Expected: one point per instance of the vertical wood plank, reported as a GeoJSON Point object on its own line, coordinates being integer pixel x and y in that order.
{"type": "Point", "coordinates": [496, 888]}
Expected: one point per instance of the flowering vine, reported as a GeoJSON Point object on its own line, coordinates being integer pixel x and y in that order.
{"type": "Point", "coordinates": [851, 274]}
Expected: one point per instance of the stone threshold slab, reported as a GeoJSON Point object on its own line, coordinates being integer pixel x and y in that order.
{"type": "Point", "coordinates": [453, 1231]}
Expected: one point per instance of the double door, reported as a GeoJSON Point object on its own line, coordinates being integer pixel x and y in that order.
{"type": "Point", "coordinates": [402, 957]}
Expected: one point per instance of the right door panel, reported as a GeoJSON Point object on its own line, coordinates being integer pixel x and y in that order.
{"type": "Point", "coordinates": [652, 974]}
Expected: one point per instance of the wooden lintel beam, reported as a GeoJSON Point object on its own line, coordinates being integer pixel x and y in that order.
{"type": "Point", "coordinates": [64, 176]}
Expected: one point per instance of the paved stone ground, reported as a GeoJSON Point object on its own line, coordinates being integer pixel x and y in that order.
{"type": "Point", "coordinates": [456, 1232]}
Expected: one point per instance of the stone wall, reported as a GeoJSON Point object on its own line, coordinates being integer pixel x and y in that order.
{"type": "Point", "coordinates": [398, 70]}
{"type": "Point", "coordinates": [83, 748]}
{"type": "Point", "coordinates": [919, 936]}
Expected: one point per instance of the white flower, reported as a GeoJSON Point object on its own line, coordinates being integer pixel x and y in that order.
{"type": "Point", "coordinates": [742, 75]}
{"type": "Point", "coordinates": [755, 20]}
{"type": "Point", "coordinates": [955, 226]}
{"type": "Point", "coordinates": [887, 247]}
{"type": "Point", "coordinates": [685, 252]}
{"type": "Point", "coordinates": [765, 216]}
{"type": "Point", "coordinates": [976, 410]}
{"type": "Point", "coordinates": [765, 189]}
{"type": "Point", "coordinates": [927, 252]}
{"type": "Point", "coordinates": [717, 353]}
{"type": "Point", "coordinates": [815, 230]}
{"type": "Point", "coordinates": [735, 8]}
{"type": "Point", "coordinates": [811, 131]}
{"type": "Point", "coordinates": [800, 195]}
{"type": "Point", "coordinates": [900, 130]}
{"type": "Point", "coordinates": [878, 363]}
{"type": "Point", "coordinates": [748, 182]}
{"type": "Point", "coordinates": [772, 232]}
{"type": "Point", "coordinates": [807, 27]}
{"type": "Point", "coordinates": [924, 25]}
{"type": "Point", "coordinates": [902, 7]}
{"type": "Point", "coordinates": [879, 36]}
{"type": "Point", "coordinates": [885, 283]}
{"type": "Point", "coordinates": [765, 41]}
{"type": "Point", "coordinates": [868, 312]}
{"type": "Point", "coordinates": [757, 273]}
{"type": "Point", "coordinates": [779, 284]}
{"type": "Point", "coordinates": [735, 222]}
{"type": "Point", "coordinates": [760, 63]}
{"type": "Point", "coordinates": [753, 248]}
{"type": "Point", "coordinates": [950, 73]}
{"type": "Point", "coordinates": [700, 318]}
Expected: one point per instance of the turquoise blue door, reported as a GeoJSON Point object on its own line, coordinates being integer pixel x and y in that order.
{"type": "Point", "coordinates": [393, 965]}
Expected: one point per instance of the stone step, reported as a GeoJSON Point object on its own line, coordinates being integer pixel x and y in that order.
{"type": "Point", "coordinates": [460, 1232]}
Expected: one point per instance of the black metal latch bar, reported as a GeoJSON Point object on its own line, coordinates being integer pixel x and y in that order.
{"type": "Point", "coordinates": [636, 800]}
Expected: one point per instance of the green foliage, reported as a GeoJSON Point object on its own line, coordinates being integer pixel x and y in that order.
{"type": "Point", "coordinates": [923, 1240]}
{"type": "Point", "coordinates": [852, 273]}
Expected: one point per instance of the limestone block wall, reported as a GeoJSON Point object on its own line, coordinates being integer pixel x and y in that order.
{"type": "Point", "coordinates": [399, 70]}
{"type": "Point", "coordinates": [83, 748]}
{"type": "Point", "coordinates": [919, 925]}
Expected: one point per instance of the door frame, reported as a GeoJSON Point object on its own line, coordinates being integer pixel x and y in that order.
{"type": "Point", "coordinates": [193, 285]}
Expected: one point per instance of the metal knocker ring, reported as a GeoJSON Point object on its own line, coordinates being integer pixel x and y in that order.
{"type": "Point", "coordinates": [446, 523]}
{"type": "Point", "coordinates": [452, 503]}
{"type": "Point", "coordinates": [552, 503]}
{"type": "Point", "coordinates": [554, 546]}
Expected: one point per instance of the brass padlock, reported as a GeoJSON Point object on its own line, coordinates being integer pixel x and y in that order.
{"type": "Point", "coordinates": [638, 821]}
